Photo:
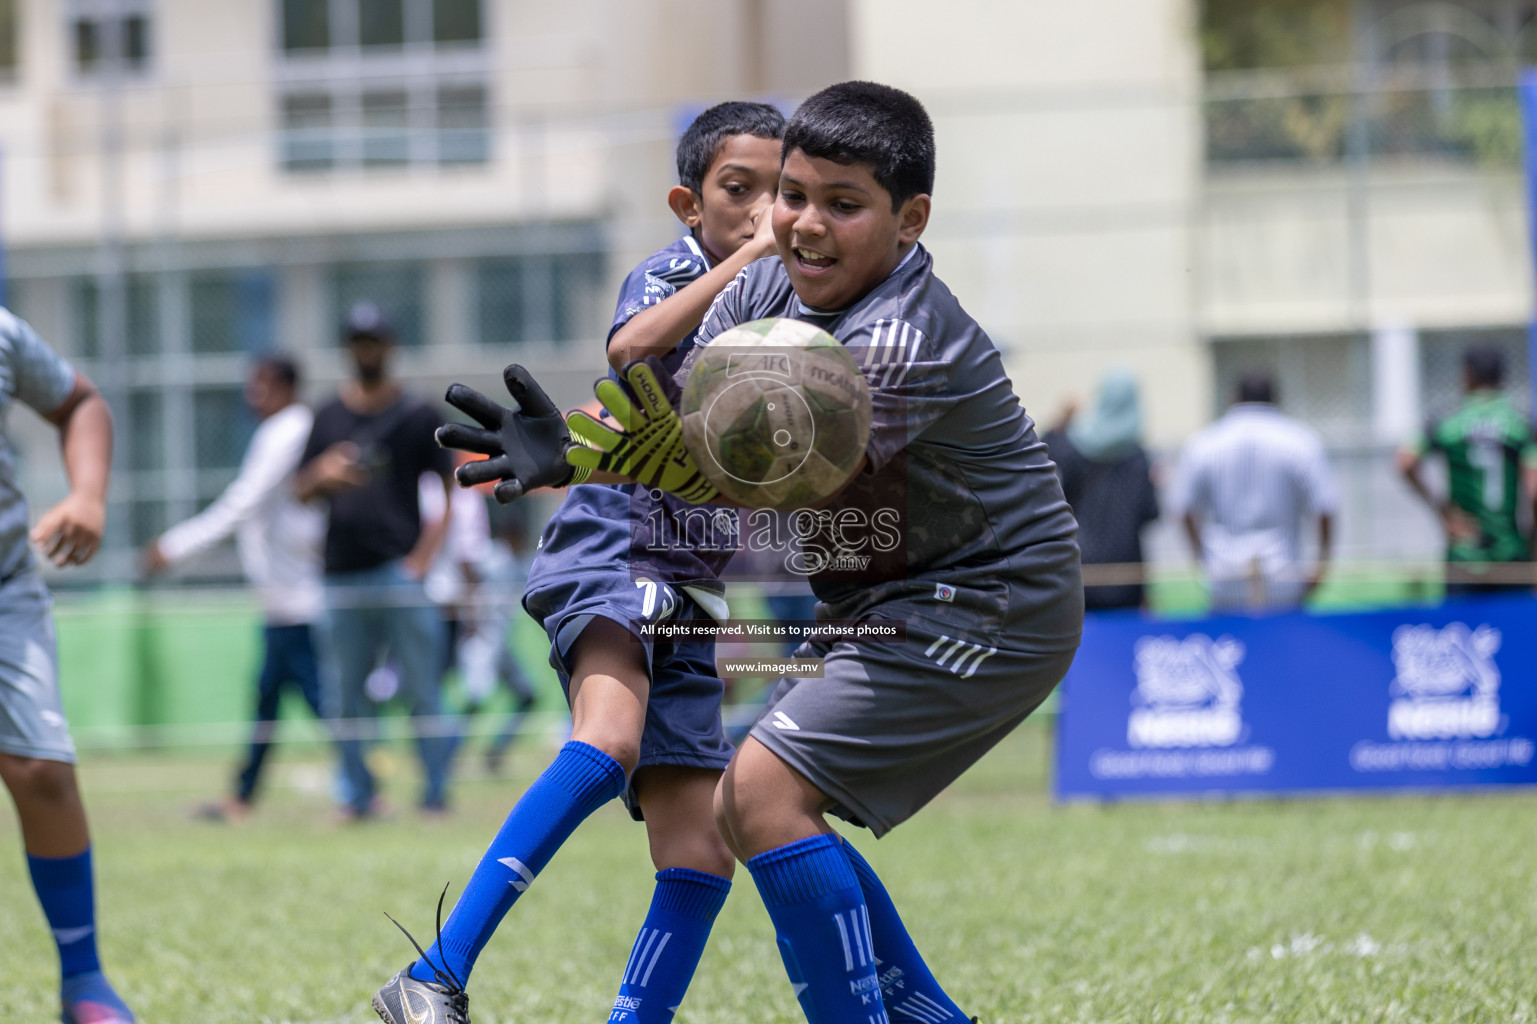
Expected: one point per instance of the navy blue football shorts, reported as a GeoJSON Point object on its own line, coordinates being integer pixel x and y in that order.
{"type": "Point", "coordinates": [683, 725]}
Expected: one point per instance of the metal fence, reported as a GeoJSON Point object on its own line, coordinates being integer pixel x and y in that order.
{"type": "Point", "coordinates": [465, 300]}
{"type": "Point", "coordinates": [1454, 113]}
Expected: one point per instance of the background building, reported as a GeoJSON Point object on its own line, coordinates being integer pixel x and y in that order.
{"type": "Point", "coordinates": [1328, 188]}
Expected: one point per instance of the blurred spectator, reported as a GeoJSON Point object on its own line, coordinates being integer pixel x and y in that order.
{"type": "Point", "coordinates": [1108, 480]}
{"type": "Point", "coordinates": [487, 653]}
{"type": "Point", "coordinates": [1491, 463]}
{"type": "Point", "coordinates": [768, 549]}
{"type": "Point", "coordinates": [278, 539]}
{"type": "Point", "coordinates": [1246, 485]}
{"type": "Point", "coordinates": [477, 579]}
{"type": "Point", "coordinates": [364, 456]}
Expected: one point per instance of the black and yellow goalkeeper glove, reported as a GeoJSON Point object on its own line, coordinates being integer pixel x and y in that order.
{"type": "Point", "coordinates": [648, 448]}
{"type": "Point", "coordinates": [526, 445]}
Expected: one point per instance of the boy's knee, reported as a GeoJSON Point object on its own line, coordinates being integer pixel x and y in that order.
{"type": "Point", "coordinates": [34, 779]}
{"type": "Point", "coordinates": [617, 744]}
{"type": "Point", "coordinates": [700, 849]}
{"type": "Point", "coordinates": [762, 802]}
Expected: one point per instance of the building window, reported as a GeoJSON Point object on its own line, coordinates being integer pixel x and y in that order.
{"type": "Point", "coordinates": [309, 25]}
{"type": "Point", "coordinates": [396, 288]}
{"type": "Point", "coordinates": [306, 25]}
{"type": "Point", "coordinates": [1323, 380]}
{"type": "Point", "coordinates": [537, 298]}
{"type": "Point", "coordinates": [141, 307]}
{"type": "Point", "coordinates": [100, 28]}
{"type": "Point", "coordinates": [9, 17]}
{"type": "Point", "coordinates": [232, 310]}
{"type": "Point", "coordinates": [456, 21]}
{"type": "Point", "coordinates": [1441, 353]}
{"type": "Point", "coordinates": [307, 132]}
{"type": "Point", "coordinates": [381, 84]}
{"type": "Point", "coordinates": [224, 426]}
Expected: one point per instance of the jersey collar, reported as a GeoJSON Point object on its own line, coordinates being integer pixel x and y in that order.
{"type": "Point", "coordinates": [695, 248]}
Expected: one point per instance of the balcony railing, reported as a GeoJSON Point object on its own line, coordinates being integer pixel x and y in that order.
{"type": "Point", "coordinates": [1468, 115]}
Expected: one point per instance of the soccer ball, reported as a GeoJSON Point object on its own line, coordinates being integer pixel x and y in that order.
{"type": "Point", "coordinates": [776, 413]}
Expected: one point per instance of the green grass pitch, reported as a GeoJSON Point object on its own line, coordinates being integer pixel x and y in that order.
{"type": "Point", "coordinates": [1407, 908]}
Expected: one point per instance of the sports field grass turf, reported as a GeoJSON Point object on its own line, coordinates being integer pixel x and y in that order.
{"type": "Point", "coordinates": [1385, 909]}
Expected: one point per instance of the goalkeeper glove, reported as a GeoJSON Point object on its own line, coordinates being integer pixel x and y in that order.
{"type": "Point", "coordinates": [526, 444]}
{"type": "Point", "coordinates": [649, 447]}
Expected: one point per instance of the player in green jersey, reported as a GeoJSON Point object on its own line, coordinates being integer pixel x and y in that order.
{"type": "Point", "coordinates": [1491, 461]}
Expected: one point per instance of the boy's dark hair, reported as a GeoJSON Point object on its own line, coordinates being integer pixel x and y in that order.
{"type": "Point", "coordinates": [701, 141]}
{"type": "Point", "coordinates": [281, 367]}
{"type": "Point", "coordinates": [872, 124]}
{"type": "Point", "coordinates": [1484, 365]}
{"type": "Point", "coordinates": [1257, 387]}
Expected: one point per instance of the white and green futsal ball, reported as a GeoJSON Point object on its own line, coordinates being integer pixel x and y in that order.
{"type": "Point", "coordinates": [776, 413]}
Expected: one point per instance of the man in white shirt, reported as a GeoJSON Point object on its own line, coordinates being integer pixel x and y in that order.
{"type": "Point", "coordinates": [279, 540]}
{"type": "Point", "coordinates": [1246, 485]}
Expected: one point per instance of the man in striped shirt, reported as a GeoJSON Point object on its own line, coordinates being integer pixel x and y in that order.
{"type": "Point", "coordinates": [1247, 485]}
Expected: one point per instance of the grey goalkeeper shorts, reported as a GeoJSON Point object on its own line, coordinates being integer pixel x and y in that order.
{"type": "Point", "coordinates": [32, 720]}
{"type": "Point", "coordinates": [890, 725]}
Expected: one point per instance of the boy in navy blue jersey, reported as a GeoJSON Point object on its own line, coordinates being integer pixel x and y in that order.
{"type": "Point", "coordinates": [645, 716]}
{"type": "Point", "coordinates": [984, 573]}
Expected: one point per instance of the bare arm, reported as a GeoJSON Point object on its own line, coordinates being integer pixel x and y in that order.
{"type": "Point", "coordinates": [432, 536]}
{"type": "Point", "coordinates": [70, 532]}
{"type": "Point", "coordinates": [1193, 531]}
{"type": "Point", "coordinates": [1529, 481]}
{"type": "Point", "coordinates": [1454, 521]}
{"type": "Point", "coordinates": [658, 330]}
{"type": "Point", "coordinates": [1325, 552]}
{"type": "Point", "coordinates": [1409, 464]}
{"type": "Point", "coordinates": [335, 469]}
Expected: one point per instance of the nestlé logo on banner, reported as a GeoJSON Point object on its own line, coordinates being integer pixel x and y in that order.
{"type": "Point", "coordinates": [1187, 692]}
{"type": "Point", "coordinates": [1447, 684]}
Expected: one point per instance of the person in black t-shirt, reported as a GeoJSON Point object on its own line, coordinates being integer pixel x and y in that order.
{"type": "Point", "coordinates": [366, 454]}
{"type": "Point", "coordinates": [1107, 478]}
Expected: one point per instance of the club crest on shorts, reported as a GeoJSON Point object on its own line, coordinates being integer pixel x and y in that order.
{"type": "Point", "coordinates": [944, 592]}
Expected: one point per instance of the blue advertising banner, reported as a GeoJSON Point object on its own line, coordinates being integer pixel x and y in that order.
{"type": "Point", "coordinates": [1422, 698]}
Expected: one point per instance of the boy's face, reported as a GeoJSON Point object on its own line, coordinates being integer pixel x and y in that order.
{"type": "Point", "coordinates": [739, 184]}
{"type": "Point", "coordinates": [837, 233]}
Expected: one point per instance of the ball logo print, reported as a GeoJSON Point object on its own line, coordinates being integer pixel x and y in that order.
{"type": "Point", "coordinates": [1447, 684]}
{"type": "Point", "coordinates": [776, 413]}
{"type": "Point", "coordinates": [1188, 692]}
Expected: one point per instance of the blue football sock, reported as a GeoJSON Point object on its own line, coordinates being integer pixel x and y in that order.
{"type": "Point", "coordinates": [669, 946]}
{"type": "Point", "coordinates": [581, 779]}
{"type": "Point", "coordinates": [823, 928]}
{"type": "Point", "coordinates": [68, 896]}
{"type": "Point", "coordinates": [908, 988]}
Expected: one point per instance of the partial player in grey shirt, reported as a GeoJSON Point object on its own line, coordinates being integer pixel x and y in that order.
{"type": "Point", "coordinates": [982, 567]}
{"type": "Point", "coordinates": [969, 540]}
{"type": "Point", "coordinates": [36, 754]}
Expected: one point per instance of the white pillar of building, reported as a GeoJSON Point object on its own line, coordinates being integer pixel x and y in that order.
{"type": "Point", "coordinates": [1396, 410]}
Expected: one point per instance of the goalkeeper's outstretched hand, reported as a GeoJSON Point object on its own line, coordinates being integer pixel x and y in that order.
{"type": "Point", "coordinates": [648, 447]}
{"type": "Point", "coordinates": [526, 444]}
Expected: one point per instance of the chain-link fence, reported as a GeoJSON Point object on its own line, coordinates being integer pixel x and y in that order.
{"type": "Point", "coordinates": [465, 298]}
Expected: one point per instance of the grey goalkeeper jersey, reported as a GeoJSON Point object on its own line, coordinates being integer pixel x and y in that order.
{"type": "Point", "coordinates": [37, 376]}
{"type": "Point", "coordinates": [959, 515]}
